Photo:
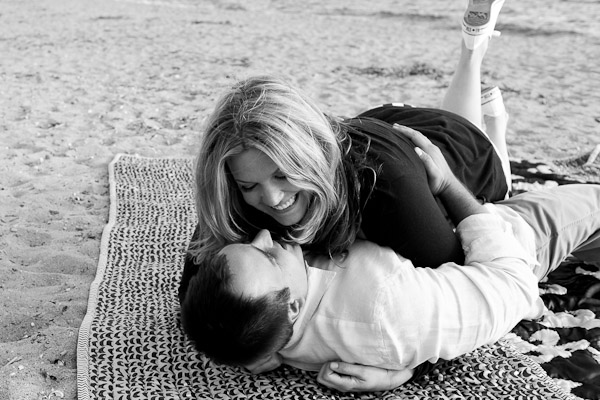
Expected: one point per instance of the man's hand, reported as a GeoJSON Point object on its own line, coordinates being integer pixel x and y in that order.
{"type": "Point", "coordinates": [439, 174]}
{"type": "Point", "coordinates": [347, 377]}
{"type": "Point", "coordinates": [457, 200]}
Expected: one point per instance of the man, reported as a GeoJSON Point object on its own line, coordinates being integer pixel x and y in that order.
{"type": "Point", "coordinates": [258, 305]}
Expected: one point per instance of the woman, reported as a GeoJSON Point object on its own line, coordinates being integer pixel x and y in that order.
{"type": "Point", "coordinates": [270, 158]}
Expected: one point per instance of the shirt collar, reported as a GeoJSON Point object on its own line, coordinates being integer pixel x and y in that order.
{"type": "Point", "coordinates": [318, 283]}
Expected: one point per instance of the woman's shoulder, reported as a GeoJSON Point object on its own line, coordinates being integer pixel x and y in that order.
{"type": "Point", "coordinates": [407, 114]}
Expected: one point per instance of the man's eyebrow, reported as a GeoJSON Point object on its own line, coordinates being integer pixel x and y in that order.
{"type": "Point", "coordinates": [267, 255]}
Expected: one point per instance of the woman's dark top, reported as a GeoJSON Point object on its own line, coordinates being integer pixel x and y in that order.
{"type": "Point", "coordinates": [401, 212]}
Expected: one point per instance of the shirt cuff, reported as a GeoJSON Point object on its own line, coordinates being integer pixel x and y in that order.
{"type": "Point", "coordinates": [486, 237]}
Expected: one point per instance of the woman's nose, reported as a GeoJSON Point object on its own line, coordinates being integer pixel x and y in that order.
{"type": "Point", "coordinates": [272, 196]}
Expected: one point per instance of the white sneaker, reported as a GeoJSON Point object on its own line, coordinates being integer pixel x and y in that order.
{"type": "Point", "coordinates": [479, 21]}
{"type": "Point", "coordinates": [492, 103]}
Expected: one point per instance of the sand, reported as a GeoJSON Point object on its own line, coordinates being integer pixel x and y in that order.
{"type": "Point", "coordinates": [82, 80]}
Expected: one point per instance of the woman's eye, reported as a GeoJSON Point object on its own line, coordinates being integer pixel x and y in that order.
{"type": "Point", "coordinates": [281, 177]}
{"type": "Point", "coordinates": [247, 188]}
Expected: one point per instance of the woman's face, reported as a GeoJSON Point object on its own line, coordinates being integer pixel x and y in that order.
{"type": "Point", "coordinates": [266, 188]}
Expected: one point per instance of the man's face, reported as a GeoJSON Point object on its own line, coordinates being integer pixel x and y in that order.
{"type": "Point", "coordinates": [264, 266]}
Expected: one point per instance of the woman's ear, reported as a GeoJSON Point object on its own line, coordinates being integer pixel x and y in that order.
{"type": "Point", "coordinates": [294, 307]}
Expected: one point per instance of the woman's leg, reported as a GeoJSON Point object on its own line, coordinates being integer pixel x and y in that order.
{"type": "Point", "coordinates": [463, 96]}
{"type": "Point", "coordinates": [464, 93]}
{"type": "Point", "coordinates": [495, 123]}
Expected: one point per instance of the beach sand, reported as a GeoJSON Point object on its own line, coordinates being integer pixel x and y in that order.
{"type": "Point", "coordinates": [81, 81]}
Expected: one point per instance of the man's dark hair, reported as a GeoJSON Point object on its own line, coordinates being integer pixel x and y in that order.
{"type": "Point", "coordinates": [229, 328]}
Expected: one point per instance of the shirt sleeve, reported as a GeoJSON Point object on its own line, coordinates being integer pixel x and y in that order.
{"type": "Point", "coordinates": [487, 237]}
{"type": "Point", "coordinates": [452, 310]}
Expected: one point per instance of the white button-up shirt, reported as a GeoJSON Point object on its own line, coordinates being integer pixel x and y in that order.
{"type": "Point", "coordinates": [375, 308]}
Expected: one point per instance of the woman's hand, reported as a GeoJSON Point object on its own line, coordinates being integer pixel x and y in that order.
{"type": "Point", "coordinates": [347, 377]}
{"type": "Point", "coordinates": [439, 174]}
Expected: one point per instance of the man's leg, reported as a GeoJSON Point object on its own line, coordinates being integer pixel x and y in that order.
{"type": "Point", "coordinates": [565, 219]}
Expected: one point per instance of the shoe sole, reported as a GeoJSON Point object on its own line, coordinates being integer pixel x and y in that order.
{"type": "Point", "coordinates": [478, 13]}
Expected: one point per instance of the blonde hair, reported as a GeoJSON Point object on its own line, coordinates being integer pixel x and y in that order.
{"type": "Point", "coordinates": [267, 114]}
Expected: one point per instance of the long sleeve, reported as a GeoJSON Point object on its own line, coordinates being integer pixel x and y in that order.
{"type": "Point", "coordinates": [457, 308]}
{"type": "Point", "coordinates": [487, 249]}
{"type": "Point", "coordinates": [378, 309]}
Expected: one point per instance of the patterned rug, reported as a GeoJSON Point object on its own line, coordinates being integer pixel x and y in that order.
{"type": "Point", "coordinates": [131, 345]}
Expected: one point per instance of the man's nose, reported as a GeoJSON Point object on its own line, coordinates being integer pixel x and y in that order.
{"type": "Point", "coordinates": [263, 239]}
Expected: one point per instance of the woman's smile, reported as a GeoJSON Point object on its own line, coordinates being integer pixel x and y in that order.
{"type": "Point", "coordinates": [287, 204]}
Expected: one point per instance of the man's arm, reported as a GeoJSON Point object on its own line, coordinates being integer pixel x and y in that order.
{"type": "Point", "coordinates": [461, 204]}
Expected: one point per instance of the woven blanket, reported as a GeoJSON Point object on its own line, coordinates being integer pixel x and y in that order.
{"type": "Point", "coordinates": [131, 345]}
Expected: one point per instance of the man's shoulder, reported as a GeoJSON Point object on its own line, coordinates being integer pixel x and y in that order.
{"type": "Point", "coordinates": [370, 256]}
{"type": "Point", "coordinates": [365, 248]}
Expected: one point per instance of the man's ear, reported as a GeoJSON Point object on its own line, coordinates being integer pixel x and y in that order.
{"type": "Point", "coordinates": [294, 307]}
